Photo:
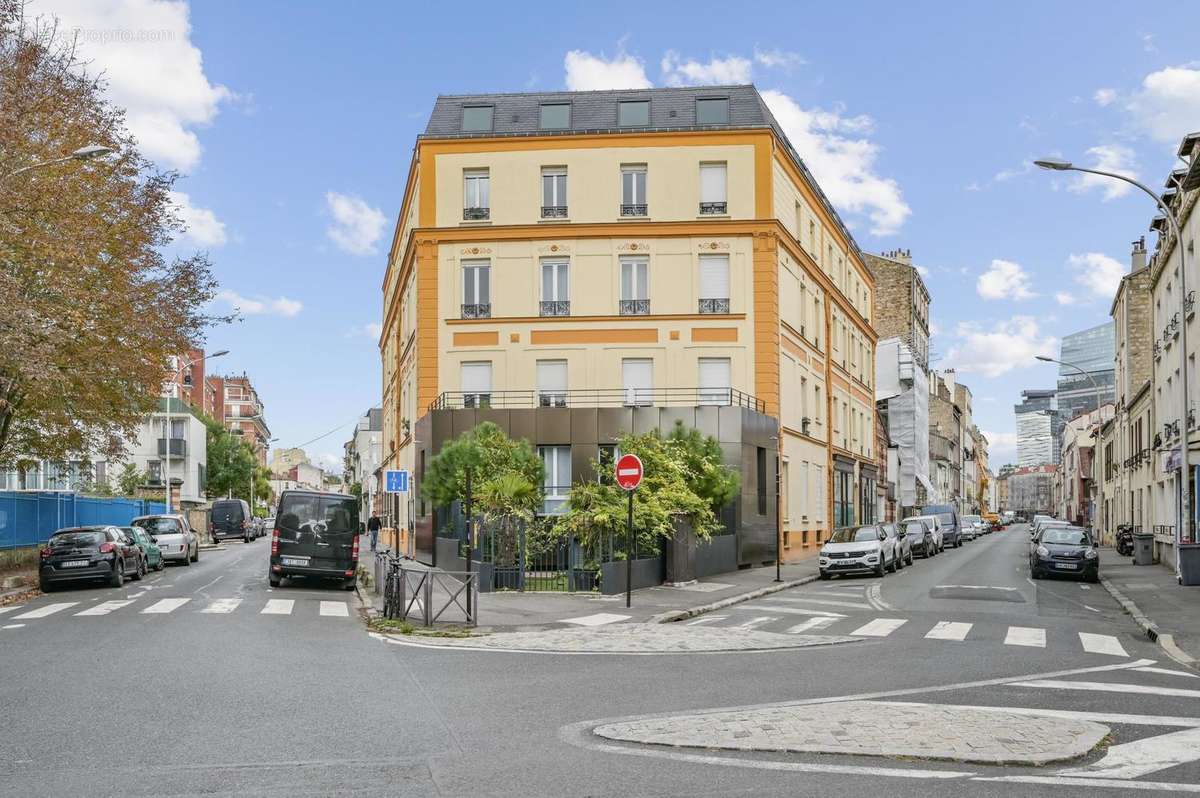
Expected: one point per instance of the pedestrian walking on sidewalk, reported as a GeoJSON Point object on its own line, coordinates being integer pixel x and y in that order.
{"type": "Point", "coordinates": [373, 526]}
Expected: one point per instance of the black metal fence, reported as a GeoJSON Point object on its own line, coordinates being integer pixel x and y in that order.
{"type": "Point", "coordinates": [429, 596]}
{"type": "Point", "coordinates": [542, 555]}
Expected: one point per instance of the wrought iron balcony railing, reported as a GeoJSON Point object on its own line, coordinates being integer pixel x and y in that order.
{"type": "Point", "coordinates": [1189, 304]}
{"type": "Point", "coordinates": [602, 397]}
{"type": "Point", "coordinates": [634, 210]}
{"type": "Point", "coordinates": [476, 214]}
{"type": "Point", "coordinates": [478, 311]}
{"type": "Point", "coordinates": [710, 208]}
{"type": "Point", "coordinates": [714, 305]}
{"type": "Point", "coordinates": [635, 307]}
{"type": "Point", "coordinates": [178, 447]}
{"type": "Point", "coordinates": [554, 211]}
{"type": "Point", "coordinates": [555, 307]}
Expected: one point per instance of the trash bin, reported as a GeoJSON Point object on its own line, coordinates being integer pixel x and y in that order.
{"type": "Point", "coordinates": [1189, 564]}
{"type": "Point", "coordinates": [1143, 548]}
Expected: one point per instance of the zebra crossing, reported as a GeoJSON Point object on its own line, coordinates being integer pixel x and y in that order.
{"type": "Point", "coordinates": [16, 616]}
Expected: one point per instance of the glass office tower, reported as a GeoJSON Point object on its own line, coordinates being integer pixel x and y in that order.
{"type": "Point", "coordinates": [1094, 351]}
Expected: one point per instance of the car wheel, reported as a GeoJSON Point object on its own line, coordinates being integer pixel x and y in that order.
{"type": "Point", "coordinates": [45, 586]}
{"type": "Point", "coordinates": [880, 570]}
{"type": "Point", "coordinates": [1036, 573]}
{"type": "Point", "coordinates": [118, 574]}
{"type": "Point", "coordinates": [825, 577]}
{"type": "Point", "coordinates": [187, 559]}
{"type": "Point", "coordinates": [348, 584]}
{"type": "Point", "coordinates": [900, 562]}
{"type": "Point", "coordinates": [160, 564]}
{"type": "Point", "coordinates": [196, 552]}
{"type": "Point", "coordinates": [138, 570]}
{"type": "Point", "coordinates": [1093, 578]}
{"type": "Point", "coordinates": [274, 581]}
{"type": "Point", "coordinates": [246, 539]}
{"type": "Point", "coordinates": [909, 561]}
{"type": "Point", "coordinates": [894, 567]}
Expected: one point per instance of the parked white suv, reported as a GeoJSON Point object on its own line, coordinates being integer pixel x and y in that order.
{"type": "Point", "coordinates": [866, 549]}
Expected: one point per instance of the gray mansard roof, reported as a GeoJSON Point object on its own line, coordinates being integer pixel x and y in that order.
{"type": "Point", "coordinates": [596, 112]}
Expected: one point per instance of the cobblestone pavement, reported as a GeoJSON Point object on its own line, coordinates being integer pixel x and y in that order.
{"type": "Point", "coordinates": [876, 729]}
{"type": "Point", "coordinates": [630, 638]}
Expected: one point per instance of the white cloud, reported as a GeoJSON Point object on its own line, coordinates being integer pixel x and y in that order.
{"type": "Point", "coordinates": [1097, 272]}
{"type": "Point", "coordinates": [934, 328]}
{"type": "Point", "coordinates": [370, 330]}
{"type": "Point", "coordinates": [778, 59]}
{"type": "Point", "coordinates": [144, 50]}
{"type": "Point", "coordinates": [921, 270]}
{"type": "Point", "coordinates": [1002, 446]}
{"type": "Point", "coordinates": [329, 462]}
{"type": "Point", "coordinates": [1004, 280]}
{"type": "Point", "coordinates": [1168, 103]}
{"type": "Point", "coordinates": [843, 166]}
{"type": "Point", "coordinates": [1105, 97]}
{"type": "Point", "coordinates": [202, 225]}
{"type": "Point", "coordinates": [1004, 175]}
{"type": "Point", "coordinates": [1109, 158]}
{"type": "Point", "coordinates": [587, 72]}
{"type": "Point", "coordinates": [262, 306]}
{"type": "Point", "coordinates": [1063, 298]}
{"type": "Point", "coordinates": [718, 71]}
{"type": "Point", "coordinates": [1005, 346]}
{"type": "Point", "coordinates": [356, 226]}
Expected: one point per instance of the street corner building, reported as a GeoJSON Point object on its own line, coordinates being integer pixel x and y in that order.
{"type": "Point", "coordinates": [577, 265]}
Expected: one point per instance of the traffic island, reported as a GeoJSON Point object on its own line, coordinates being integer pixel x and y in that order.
{"type": "Point", "coordinates": [873, 728]}
{"type": "Point", "coordinates": [627, 638]}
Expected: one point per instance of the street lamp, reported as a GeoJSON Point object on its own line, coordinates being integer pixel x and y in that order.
{"type": "Point", "coordinates": [167, 410]}
{"type": "Point", "coordinates": [1185, 510]}
{"type": "Point", "coordinates": [82, 154]}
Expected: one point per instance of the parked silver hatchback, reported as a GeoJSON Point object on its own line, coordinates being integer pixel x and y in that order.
{"type": "Point", "coordinates": [173, 535]}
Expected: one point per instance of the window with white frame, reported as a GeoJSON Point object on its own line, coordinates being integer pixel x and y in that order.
{"type": "Point", "coordinates": [477, 289]}
{"type": "Point", "coordinates": [477, 383]}
{"type": "Point", "coordinates": [635, 286]}
{"type": "Point", "coordinates": [556, 288]}
{"type": "Point", "coordinates": [712, 189]}
{"type": "Point", "coordinates": [476, 194]}
{"type": "Point", "coordinates": [633, 190]}
{"type": "Point", "coordinates": [637, 377]}
{"type": "Point", "coordinates": [552, 383]}
{"type": "Point", "coordinates": [715, 380]}
{"type": "Point", "coordinates": [714, 283]}
{"type": "Point", "coordinates": [556, 483]}
{"type": "Point", "coordinates": [554, 192]}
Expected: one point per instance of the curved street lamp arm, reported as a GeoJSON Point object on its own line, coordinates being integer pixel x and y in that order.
{"type": "Point", "coordinates": [1162, 206]}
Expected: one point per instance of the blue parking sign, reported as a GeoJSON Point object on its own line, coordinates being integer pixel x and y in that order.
{"type": "Point", "coordinates": [396, 481]}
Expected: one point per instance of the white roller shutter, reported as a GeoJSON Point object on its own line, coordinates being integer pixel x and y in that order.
{"type": "Point", "coordinates": [712, 182]}
{"type": "Point", "coordinates": [637, 374]}
{"type": "Point", "coordinates": [715, 380]}
{"type": "Point", "coordinates": [714, 277]}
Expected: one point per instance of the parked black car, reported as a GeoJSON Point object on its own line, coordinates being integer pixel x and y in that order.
{"type": "Point", "coordinates": [87, 553]}
{"type": "Point", "coordinates": [920, 537]}
{"type": "Point", "coordinates": [315, 534]}
{"type": "Point", "coordinates": [1066, 550]}
{"type": "Point", "coordinates": [230, 519]}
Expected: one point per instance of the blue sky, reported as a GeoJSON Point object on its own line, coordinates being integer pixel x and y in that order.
{"type": "Point", "coordinates": [293, 125]}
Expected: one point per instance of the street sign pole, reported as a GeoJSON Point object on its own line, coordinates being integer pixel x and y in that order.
{"type": "Point", "coordinates": [629, 555]}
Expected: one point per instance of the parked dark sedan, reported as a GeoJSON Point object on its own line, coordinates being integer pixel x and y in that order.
{"type": "Point", "coordinates": [89, 553]}
{"type": "Point", "coordinates": [920, 538]}
{"type": "Point", "coordinates": [1064, 550]}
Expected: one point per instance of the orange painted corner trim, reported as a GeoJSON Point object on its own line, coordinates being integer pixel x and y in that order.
{"type": "Point", "coordinates": [608, 319]}
{"type": "Point", "coordinates": [714, 334]}
{"type": "Point", "coordinates": [629, 335]}
{"type": "Point", "coordinates": [487, 338]}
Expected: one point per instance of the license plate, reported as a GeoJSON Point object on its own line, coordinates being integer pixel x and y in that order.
{"type": "Point", "coordinates": [75, 564]}
{"type": "Point", "coordinates": [294, 560]}
{"type": "Point", "coordinates": [1066, 566]}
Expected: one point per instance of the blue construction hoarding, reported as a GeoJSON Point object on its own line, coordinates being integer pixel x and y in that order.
{"type": "Point", "coordinates": [28, 518]}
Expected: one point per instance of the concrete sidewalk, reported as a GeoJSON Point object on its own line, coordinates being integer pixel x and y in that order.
{"type": "Point", "coordinates": [516, 611]}
{"type": "Point", "coordinates": [1166, 611]}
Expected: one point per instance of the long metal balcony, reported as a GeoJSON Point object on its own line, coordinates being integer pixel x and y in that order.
{"type": "Point", "coordinates": [599, 397]}
{"type": "Point", "coordinates": [713, 208]}
{"type": "Point", "coordinates": [554, 211]}
{"type": "Point", "coordinates": [634, 307]}
{"type": "Point", "coordinates": [637, 209]}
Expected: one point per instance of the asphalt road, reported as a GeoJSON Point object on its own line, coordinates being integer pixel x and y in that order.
{"type": "Point", "coordinates": [239, 702]}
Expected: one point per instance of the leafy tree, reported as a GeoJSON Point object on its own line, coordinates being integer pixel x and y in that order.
{"type": "Point", "coordinates": [505, 499]}
{"type": "Point", "coordinates": [130, 479]}
{"type": "Point", "coordinates": [680, 478]}
{"type": "Point", "coordinates": [90, 308]}
{"type": "Point", "coordinates": [232, 464]}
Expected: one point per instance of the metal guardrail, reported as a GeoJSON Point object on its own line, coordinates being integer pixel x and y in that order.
{"type": "Point", "coordinates": [428, 595]}
{"type": "Point", "coordinates": [601, 397]}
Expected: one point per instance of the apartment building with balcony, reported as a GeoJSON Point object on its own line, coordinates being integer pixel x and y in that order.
{"type": "Point", "coordinates": [575, 265]}
{"type": "Point", "coordinates": [240, 410]}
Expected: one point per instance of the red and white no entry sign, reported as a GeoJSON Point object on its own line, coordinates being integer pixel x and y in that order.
{"type": "Point", "coordinates": [629, 471]}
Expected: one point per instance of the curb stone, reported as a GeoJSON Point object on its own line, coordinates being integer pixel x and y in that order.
{"type": "Point", "coordinates": [678, 615]}
{"type": "Point", "coordinates": [1149, 627]}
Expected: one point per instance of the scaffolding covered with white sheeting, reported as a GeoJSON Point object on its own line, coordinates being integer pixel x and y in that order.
{"type": "Point", "coordinates": [903, 383]}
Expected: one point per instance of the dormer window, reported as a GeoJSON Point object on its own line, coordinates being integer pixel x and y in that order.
{"type": "Point", "coordinates": [633, 113]}
{"type": "Point", "coordinates": [555, 116]}
{"type": "Point", "coordinates": [712, 111]}
{"type": "Point", "coordinates": [477, 118]}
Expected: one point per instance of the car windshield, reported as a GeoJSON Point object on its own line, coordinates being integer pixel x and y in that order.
{"type": "Point", "coordinates": [914, 529]}
{"type": "Point", "coordinates": [82, 537]}
{"type": "Point", "coordinates": [158, 526]}
{"type": "Point", "coordinates": [1066, 536]}
{"type": "Point", "coordinates": [971, 519]}
{"type": "Point", "coordinates": [854, 534]}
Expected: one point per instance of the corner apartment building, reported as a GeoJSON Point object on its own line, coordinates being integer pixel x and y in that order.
{"type": "Point", "coordinates": [902, 371]}
{"type": "Point", "coordinates": [241, 412]}
{"type": "Point", "coordinates": [575, 265]}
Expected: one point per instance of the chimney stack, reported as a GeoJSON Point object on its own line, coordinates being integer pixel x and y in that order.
{"type": "Point", "coordinates": [1137, 258]}
{"type": "Point", "coordinates": [901, 255]}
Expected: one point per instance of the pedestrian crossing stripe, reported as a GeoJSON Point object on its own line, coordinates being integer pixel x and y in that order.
{"type": "Point", "coordinates": [42, 612]}
{"type": "Point", "coordinates": [278, 607]}
{"type": "Point", "coordinates": [1102, 644]}
{"type": "Point", "coordinates": [222, 606]}
{"type": "Point", "coordinates": [105, 608]}
{"type": "Point", "coordinates": [880, 627]}
{"type": "Point", "coordinates": [335, 609]}
{"type": "Point", "coordinates": [1025, 636]}
{"type": "Point", "coordinates": [165, 606]}
{"type": "Point", "coordinates": [946, 630]}
{"type": "Point", "coordinates": [812, 625]}
{"type": "Point", "coordinates": [10, 609]}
